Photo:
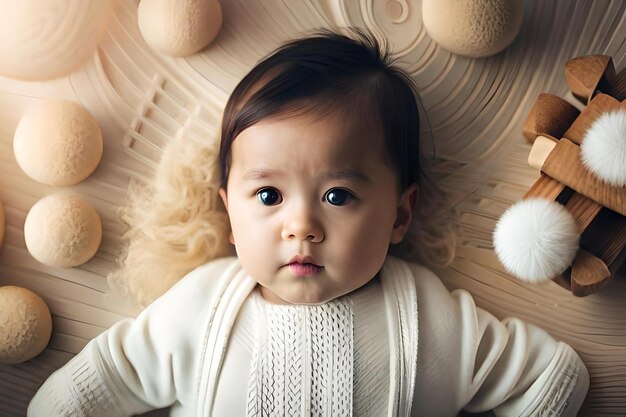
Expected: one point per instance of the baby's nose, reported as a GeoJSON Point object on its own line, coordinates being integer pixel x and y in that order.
{"type": "Point", "coordinates": [302, 226]}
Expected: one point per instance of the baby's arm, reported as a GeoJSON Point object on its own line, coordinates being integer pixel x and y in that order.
{"type": "Point", "coordinates": [137, 365]}
{"type": "Point", "coordinates": [468, 360]}
{"type": "Point", "coordinates": [93, 382]}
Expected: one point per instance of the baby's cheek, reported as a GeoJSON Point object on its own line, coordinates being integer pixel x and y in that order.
{"type": "Point", "coordinates": [372, 240]}
{"type": "Point", "coordinates": [254, 243]}
{"type": "Point", "coordinates": [366, 248]}
{"type": "Point", "coordinates": [242, 222]}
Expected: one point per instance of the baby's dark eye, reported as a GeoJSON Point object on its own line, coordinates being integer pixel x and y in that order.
{"type": "Point", "coordinates": [338, 196]}
{"type": "Point", "coordinates": [268, 196]}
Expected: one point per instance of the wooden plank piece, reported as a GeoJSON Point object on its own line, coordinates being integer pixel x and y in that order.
{"type": "Point", "coordinates": [541, 149]}
{"type": "Point", "coordinates": [615, 246]}
{"type": "Point", "coordinates": [564, 165]}
{"type": "Point", "coordinates": [550, 115]}
{"type": "Point", "coordinates": [584, 75]}
{"type": "Point", "coordinates": [600, 104]}
{"type": "Point", "coordinates": [589, 274]}
{"type": "Point", "coordinates": [564, 279]}
{"type": "Point", "coordinates": [583, 209]}
{"type": "Point", "coordinates": [545, 187]}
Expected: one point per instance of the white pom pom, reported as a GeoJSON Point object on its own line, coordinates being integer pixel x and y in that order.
{"type": "Point", "coordinates": [536, 239]}
{"type": "Point", "coordinates": [604, 148]}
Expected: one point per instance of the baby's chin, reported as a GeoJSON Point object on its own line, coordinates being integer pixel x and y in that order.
{"type": "Point", "coordinates": [295, 297]}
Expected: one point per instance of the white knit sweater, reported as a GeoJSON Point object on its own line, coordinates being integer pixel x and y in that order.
{"type": "Point", "coordinates": [212, 346]}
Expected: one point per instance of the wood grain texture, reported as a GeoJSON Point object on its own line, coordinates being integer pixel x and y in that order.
{"type": "Point", "coordinates": [583, 209]}
{"type": "Point", "coordinates": [588, 74]}
{"type": "Point", "coordinates": [565, 165]}
{"type": "Point", "coordinates": [550, 115]}
{"type": "Point", "coordinates": [588, 274]}
{"type": "Point", "coordinates": [473, 116]}
{"type": "Point", "coordinates": [613, 244]}
{"type": "Point", "coordinates": [545, 187]}
{"type": "Point", "coordinates": [600, 104]}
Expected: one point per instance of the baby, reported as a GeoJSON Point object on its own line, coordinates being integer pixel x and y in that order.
{"type": "Point", "coordinates": [319, 162]}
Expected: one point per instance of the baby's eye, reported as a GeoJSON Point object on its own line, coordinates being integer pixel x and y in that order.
{"type": "Point", "coordinates": [338, 196]}
{"type": "Point", "coordinates": [268, 196]}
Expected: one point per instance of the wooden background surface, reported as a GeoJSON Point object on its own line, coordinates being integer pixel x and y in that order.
{"type": "Point", "coordinates": [475, 111]}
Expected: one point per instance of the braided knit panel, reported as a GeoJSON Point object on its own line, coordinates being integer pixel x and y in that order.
{"type": "Point", "coordinates": [79, 391]}
{"type": "Point", "coordinates": [303, 363]}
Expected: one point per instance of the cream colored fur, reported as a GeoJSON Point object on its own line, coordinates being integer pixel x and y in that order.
{"type": "Point", "coordinates": [175, 223]}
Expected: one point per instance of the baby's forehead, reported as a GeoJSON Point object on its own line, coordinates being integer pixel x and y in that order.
{"type": "Point", "coordinates": [313, 140]}
{"type": "Point", "coordinates": [342, 126]}
{"type": "Point", "coordinates": [346, 116]}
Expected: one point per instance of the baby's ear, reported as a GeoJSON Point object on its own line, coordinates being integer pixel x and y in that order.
{"type": "Point", "coordinates": [222, 193]}
{"type": "Point", "coordinates": [404, 214]}
{"type": "Point", "coordinates": [224, 196]}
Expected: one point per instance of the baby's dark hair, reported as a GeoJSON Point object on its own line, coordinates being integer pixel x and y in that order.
{"type": "Point", "coordinates": [327, 70]}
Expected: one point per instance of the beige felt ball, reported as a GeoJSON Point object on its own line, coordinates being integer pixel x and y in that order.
{"type": "Point", "coordinates": [473, 28]}
{"type": "Point", "coordinates": [62, 230]}
{"type": "Point", "coordinates": [25, 325]}
{"type": "Point", "coordinates": [57, 143]}
{"type": "Point", "coordinates": [45, 39]}
{"type": "Point", "coordinates": [179, 28]}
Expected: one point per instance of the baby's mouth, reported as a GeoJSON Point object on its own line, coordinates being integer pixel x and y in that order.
{"type": "Point", "coordinates": [305, 269]}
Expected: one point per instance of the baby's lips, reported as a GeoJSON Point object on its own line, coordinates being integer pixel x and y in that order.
{"type": "Point", "coordinates": [304, 259]}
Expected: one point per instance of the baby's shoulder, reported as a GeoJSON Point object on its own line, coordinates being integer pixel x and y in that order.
{"type": "Point", "coordinates": [421, 275]}
{"type": "Point", "coordinates": [208, 274]}
{"type": "Point", "coordinates": [183, 311]}
{"type": "Point", "coordinates": [201, 284]}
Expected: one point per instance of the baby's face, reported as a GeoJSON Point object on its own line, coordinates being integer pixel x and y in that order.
{"type": "Point", "coordinates": [317, 188]}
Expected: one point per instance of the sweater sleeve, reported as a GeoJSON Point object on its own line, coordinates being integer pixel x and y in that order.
{"type": "Point", "coordinates": [138, 364]}
{"type": "Point", "coordinates": [470, 361]}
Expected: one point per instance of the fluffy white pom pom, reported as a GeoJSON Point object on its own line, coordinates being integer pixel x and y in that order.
{"type": "Point", "coordinates": [604, 147]}
{"type": "Point", "coordinates": [536, 239]}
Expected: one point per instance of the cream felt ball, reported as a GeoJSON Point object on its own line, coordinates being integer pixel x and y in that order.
{"type": "Point", "coordinates": [62, 230]}
{"type": "Point", "coordinates": [45, 39]}
{"type": "Point", "coordinates": [179, 28]}
{"type": "Point", "coordinates": [473, 28]}
{"type": "Point", "coordinates": [536, 239]}
{"type": "Point", "coordinates": [25, 325]}
{"type": "Point", "coordinates": [57, 143]}
{"type": "Point", "coordinates": [603, 149]}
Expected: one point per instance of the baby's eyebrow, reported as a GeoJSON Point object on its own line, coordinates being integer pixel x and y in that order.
{"type": "Point", "coordinates": [261, 173]}
{"type": "Point", "coordinates": [347, 174]}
